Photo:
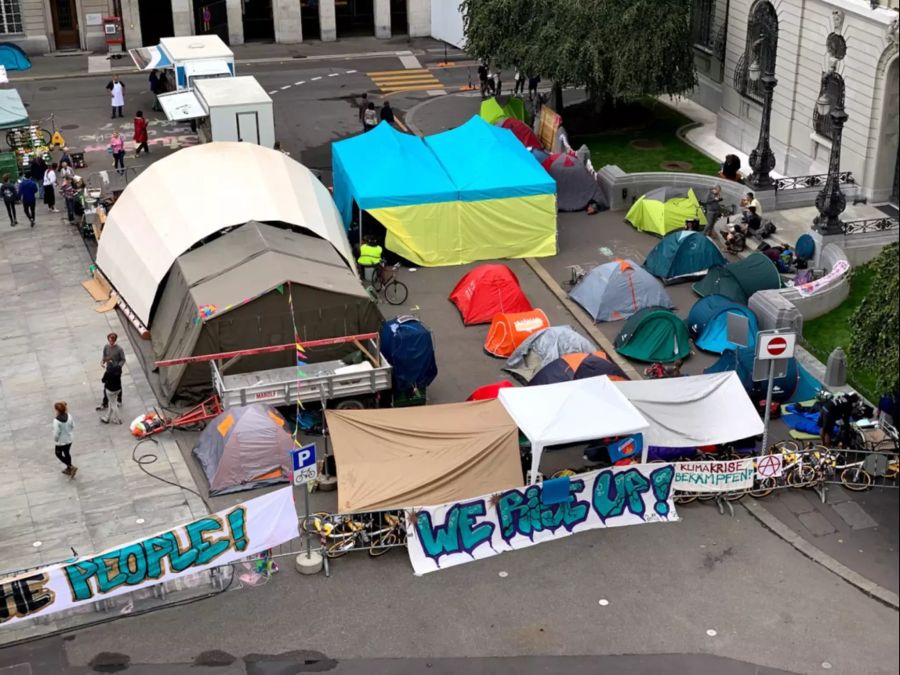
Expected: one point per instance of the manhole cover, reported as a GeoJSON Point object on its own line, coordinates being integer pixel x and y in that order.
{"type": "Point", "coordinates": [47, 88]}
{"type": "Point", "coordinates": [676, 165]}
{"type": "Point", "coordinates": [68, 127]}
{"type": "Point", "coordinates": [645, 144]}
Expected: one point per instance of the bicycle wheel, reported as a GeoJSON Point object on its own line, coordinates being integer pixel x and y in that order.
{"type": "Point", "coordinates": [308, 523]}
{"type": "Point", "coordinates": [856, 478]}
{"type": "Point", "coordinates": [384, 544]}
{"type": "Point", "coordinates": [735, 496]}
{"type": "Point", "coordinates": [377, 281]}
{"type": "Point", "coordinates": [801, 476]}
{"type": "Point", "coordinates": [396, 292]}
{"type": "Point", "coordinates": [763, 488]}
{"type": "Point", "coordinates": [684, 498]}
{"type": "Point", "coordinates": [340, 547]}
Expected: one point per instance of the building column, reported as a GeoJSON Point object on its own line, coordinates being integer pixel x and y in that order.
{"type": "Point", "coordinates": [383, 19]}
{"type": "Point", "coordinates": [182, 17]}
{"type": "Point", "coordinates": [418, 13]}
{"type": "Point", "coordinates": [288, 24]}
{"type": "Point", "coordinates": [235, 22]}
{"type": "Point", "coordinates": [327, 21]}
{"type": "Point", "coordinates": [131, 24]}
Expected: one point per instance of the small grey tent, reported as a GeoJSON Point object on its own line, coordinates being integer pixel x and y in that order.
{"type": "Point", "coordinates": [617, 289]}
{"type": "Point", "coordinates": [245, 447]}
{"type": "Point", "coordinates": [543, 347]}
{"type": "Point", "coordinates": [235, 293]}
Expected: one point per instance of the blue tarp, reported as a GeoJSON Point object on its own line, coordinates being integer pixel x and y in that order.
{"type": "Point", "coordinates": [408, 347]}
{"type": "Point", "coordinates": [489, 162]}
{"type": "Point", "coordinates": [741, 361]}
{"type": "Point", "coordinates": [708, 323]}
{"type": "Point", "coordinates": [384, 168]}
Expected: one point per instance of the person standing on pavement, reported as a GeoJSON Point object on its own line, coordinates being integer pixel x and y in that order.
{"type": "Point", "coordinates": [50, 188]}
{"type": "Point", "coordinates": [140, 134]}
{"type": "Point", "coordinates": [206, 17]}
{"type": "Point", "coordinates": [116, 89]}
{"type": "Point", "coordinates": [519, 79]}
{"type": "Point", "coordinates": [67, 191]}
{"type": "Point", "coordinates": [112, 392]}
{"type": "Point", "coordinates": [63, 431]}
{"type": "Point", "coordinates": [483, 78]}
{"type": "Point", "coordinates": [115, 355]}
{"type": "Point", "coordinates": [64, 171]}
{"type": "Point", "coordinates": [38, 169]}
{"type": "Point", "coordinates": [117, 148]}
{"type": "Point", "coordinates": [155, 88]}
{"type": "Point", "coordinates": [387, 113]}
{"type": "Point", "coordinates": [28, 191]}
{"type": "Point", "coordinates": [65, 158]}
{"type": "Point", "coordinates": [712, 205]}
{"type": "Point", "coordinates": [370, 117]}
{"type": "Point", "coordinates": [363, 106]}
{"type": "Point", "coordinates": [10, 194]}
{"type": "Point", "coordinates": [533, 83]}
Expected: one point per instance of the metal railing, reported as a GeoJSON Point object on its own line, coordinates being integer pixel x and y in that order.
{"type": "Point", "coordinates": [811, 182]}
{"type": "Point", "coordinates": [870, 225]}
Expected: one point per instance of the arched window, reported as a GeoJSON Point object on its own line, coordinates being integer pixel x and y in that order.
{"type": "Point", "coordinates": [832, 88]}
{"type": "Point", "coordinates": [759, 52]}
{"type": "Point", "coordinates": [703, 20]}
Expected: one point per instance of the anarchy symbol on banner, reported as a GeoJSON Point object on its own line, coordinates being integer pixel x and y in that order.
{"type": "Point", "coordinates": [768, 466]}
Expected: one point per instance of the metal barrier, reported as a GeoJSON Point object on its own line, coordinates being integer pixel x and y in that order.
{"type": "Point", "coordinates": [870, 225]}
{"type": "Point", "coordinates": [111, 182]}
{"type": "Point", "coordinates": [811, 182]}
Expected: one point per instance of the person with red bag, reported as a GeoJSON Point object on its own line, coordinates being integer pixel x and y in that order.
{"type": "Point", "coordinates": [140, 134]}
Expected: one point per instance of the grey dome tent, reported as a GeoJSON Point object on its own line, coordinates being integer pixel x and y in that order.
{"type": "Point", "coordinates": [245, 447]}
{"type": "Point", "coordinates": [618, 289]}
{"type": "Point", "coordinates": [235, 293]}
{"type": "Point", "coordinates": [544, 346]}
{"type": "Point", "coordinates": [575, 186]}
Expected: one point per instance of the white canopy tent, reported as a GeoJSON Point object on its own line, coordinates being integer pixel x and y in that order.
{"type": "Point", "coordinates": [694, 410]}
{"type": "Point", "coordinates": [569, 412]}
{"type": "Point", "coordinates": [196, 192]}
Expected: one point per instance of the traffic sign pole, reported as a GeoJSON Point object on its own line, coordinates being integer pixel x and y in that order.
{"type": "Point", "coordinates": [768, 414]}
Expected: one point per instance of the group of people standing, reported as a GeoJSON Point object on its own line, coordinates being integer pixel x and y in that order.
{"type": "Point", "coordinates": [370, 116]}
{"type": "Point", "coordinates": [42, 181]}
{"type": "Point", "coordinates": [492, 85]}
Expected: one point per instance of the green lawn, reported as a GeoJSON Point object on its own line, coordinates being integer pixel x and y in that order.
{"type": "Point", "coordinates": [832, 330]}
{"type": "Point", "coordinates": [611, 134]}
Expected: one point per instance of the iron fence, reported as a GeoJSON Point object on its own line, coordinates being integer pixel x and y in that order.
{"type": "Point", "coordinates": [870, 225]}
{"type": "Point", "coordinates": [811, 182]}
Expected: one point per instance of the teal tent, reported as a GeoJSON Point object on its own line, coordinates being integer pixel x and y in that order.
{"type": "Point", "coordinates": [708, 323]}
{"type": "Point", "coordinates": [654, 335]}
{"type": "Point", "coordinates": [681, 255]}
{"type": "Point", "coordinates": [739, 280]}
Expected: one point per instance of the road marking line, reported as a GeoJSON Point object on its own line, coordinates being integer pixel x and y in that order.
{"type": "Point", "coordinates": [333, 74]}
{"type": "Point", "coordinates": [274, 91]}
{"type": "Point", "coordinates": [396, 72]}
{"type": "Point", "coordinates": [300, 82]}
{"type": "Point", "coordinates": [409, 83]}
{"type": "Point", "coordinates": [435, 92]}
{"type": "Point", "coordinates": [422, 87]}
{"type": "Point", "coordinates": [287, 86]}
{"type": "Point", "coordinates": [350, 72]}
{"type": "Point", "coordinates": [409, 61]}
{"type": "Point", "coordinates": [316, 78]}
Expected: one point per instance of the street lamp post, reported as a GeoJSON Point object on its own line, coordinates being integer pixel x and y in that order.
{"type": "Point", "coordinates": [831, 202]}
{"type": "Point", "coordinates": [762, 159]}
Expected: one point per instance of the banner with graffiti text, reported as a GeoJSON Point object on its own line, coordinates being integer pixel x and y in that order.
{"type": "Point", "coordinates": [714, 476]}
{"type": "Point", "coordinates": [452, 534]}
{"type": "Point", "coordinates": [216, 539]}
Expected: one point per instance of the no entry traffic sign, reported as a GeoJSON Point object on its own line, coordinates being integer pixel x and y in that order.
{"type": "Point", "coordinates": [771, 345]}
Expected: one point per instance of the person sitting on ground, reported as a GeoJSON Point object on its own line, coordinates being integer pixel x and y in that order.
{"type": "Point", "coordinates": [752, 220]}
{"type": "Point", "coordinates": [749, 200]}
{"type": "Point", "coordinates": [370, 253]}
{"type": "Point", "coordinates": [674, 370]}
{"type": "Point", "coordinates": [731, 168]}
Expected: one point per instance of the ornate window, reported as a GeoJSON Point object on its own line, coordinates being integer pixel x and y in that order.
{"type": "Point", "coordinates": [10, 17]}
{"type": "Point", "coordinates": [758, 59]}
{"type": "Point", "coordinates": [703, 20]}
{"type": "Point", "coordinates": [832, 88]}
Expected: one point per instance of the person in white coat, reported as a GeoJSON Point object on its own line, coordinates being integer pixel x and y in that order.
{"type": "Point", "coordinates": [63, 430]}
{"type": "Point", "coordinates": [116, 89]}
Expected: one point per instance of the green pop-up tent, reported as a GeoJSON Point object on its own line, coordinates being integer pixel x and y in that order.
{"type": "Point", "coordinates": [654, 335]}
{"type": "Point", "coordinates": [739, 280]}
{"type": "Point", "coordinates": [665, 210]}
{"type": "Point", "coordinates": [491, 110]}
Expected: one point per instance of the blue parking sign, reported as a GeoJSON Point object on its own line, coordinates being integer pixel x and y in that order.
{"type": "Point", "coordinates": [303, 463]}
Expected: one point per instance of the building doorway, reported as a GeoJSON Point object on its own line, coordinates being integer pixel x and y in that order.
{"type": "Point", "coordinates": [156, 21]}
{"type": "Point", "coordinates": [210, 18]}
{"type": "Point", "coordinates": [399, 17]}
{"type": "Point", "coordinates": [354, 17]}
{"type": "Point", "coordinates": [259, 23]}
{"type": "Point", "coordinates": [309, 20]}
{"type": "Point", "coordinates": [65, 24]}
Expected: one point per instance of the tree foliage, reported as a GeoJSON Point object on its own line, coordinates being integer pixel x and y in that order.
{"type": "Point", "coordinates": [875, 327]}
{"type": "Point", "coordinates": [614, 48]}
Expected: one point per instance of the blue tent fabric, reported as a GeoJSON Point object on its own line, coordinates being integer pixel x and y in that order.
{"type": "Point", "coordinates": [741, 359]}
{"type": "Point", "coordinates": [385, 167]}
{"type": "Point", "coordinates": [489, 162]}
{"type": "Point", "coordinates": [682, 254]}
{"type": "Point", "coordinates": [13, 58]}
{"type": "Point", "coordinates": [708, 323]}
{"type": "Point", "coordinates": [407, 345]}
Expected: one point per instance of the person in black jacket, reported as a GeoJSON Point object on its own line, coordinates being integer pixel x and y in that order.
{"type": "Point", "coordinates": [112, 389]}
{"type": "Point", "coordinates": [387, 113]}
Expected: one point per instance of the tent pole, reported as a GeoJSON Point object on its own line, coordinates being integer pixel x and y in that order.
{"type": "Point", "coordinates": [536, 452]}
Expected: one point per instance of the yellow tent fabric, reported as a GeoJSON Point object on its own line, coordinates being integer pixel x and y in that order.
{"type": "Point", "coordinates": [491, 110]}
{"type": "Point", "coordinates": [661, 217]}
{"type": "Point", "coordinates": [456, 233]}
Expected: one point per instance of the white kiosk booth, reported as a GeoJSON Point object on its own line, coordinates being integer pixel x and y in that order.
{"type": "Point", "coordinates": [191, 58]}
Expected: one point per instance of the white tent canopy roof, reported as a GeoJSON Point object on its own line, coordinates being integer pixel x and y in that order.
{"type": "Point", "coordinates": [569, 412]}
{"type": "Point", "coordinates": [194, 193]}
{"type": "Point", "coordinates": [693, 411]}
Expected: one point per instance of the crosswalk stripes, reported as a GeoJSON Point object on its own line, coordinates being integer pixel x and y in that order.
{"type": "Point", "coordinates": [414, 79]}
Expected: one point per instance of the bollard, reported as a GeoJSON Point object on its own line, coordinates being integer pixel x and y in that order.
{"type": "Point", "coordinates": [836, 369]}
{"type": "Point", "coordinates": [309, 563]}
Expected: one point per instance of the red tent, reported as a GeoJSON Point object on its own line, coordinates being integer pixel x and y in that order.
{"type": "Point", "coordinates": [489, 391]}
{"type": "Point", "coordinates": [486, 291]}
{"type": "Point", "coordinates": [521, 131]}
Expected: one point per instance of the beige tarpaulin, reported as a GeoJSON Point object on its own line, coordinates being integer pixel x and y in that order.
{"type": "Point", "coordinates": [403, 457]}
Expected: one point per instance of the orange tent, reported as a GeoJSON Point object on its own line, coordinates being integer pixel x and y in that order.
{"type": "Point", "coordinates": [508, 331]}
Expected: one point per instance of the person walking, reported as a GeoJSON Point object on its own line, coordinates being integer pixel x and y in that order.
{"type": "Point", "coordinates": [116, 89]}
{"type": "Point", "coordinates": [117, 148]}
{"type": "Point", "coordinates": [67, 191]}
{"type": "Point", "coordinates": [50, 188]}
{"type": "Point", "coordinates": [10, 195]}
{"type": "Point", "coordinates": [533, 83]}
{"type": "Point", "coordinates": [140, 134]}
{"type": "Point", "coordinates": [155, 88]}
{"type": "Point", "coordinates": [28, 192]}
{"type": "Point", "coordinates": [387, 113]}
{"type": "Point", "coordinates": [363, 106]}
{"type": "Point", "coordinates": [63, 431]}
{"type": "Point", "coordinates": [38, 169]}
{"type": "Point", "coordinates": [65, 157]}
{"type": "Point", "coordinates": [370, 117]}
{"type": "Point", "coordinates": [712, 205]}
{"type": "Point", "coordinates": [112, 392]}
{"type": "Point", "coordinates": [519, 79]}
{"type": "Point", "coordinates": [112, 354]}
{"type": "Point", "coordinates": [482, 78]}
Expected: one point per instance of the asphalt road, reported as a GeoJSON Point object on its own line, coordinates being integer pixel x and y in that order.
{"type": "Point", "coordinates": [704, 589]}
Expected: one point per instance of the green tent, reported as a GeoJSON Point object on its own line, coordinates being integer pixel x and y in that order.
{"type": "Point", "coordinates": [665, 210]}
{"type": "Point", "coordinates": [739, 280]}
{"type": "Point", "coordinates": [12, 112]}
{"type": "Point", "coordinates": [491, 110]}
{"type": "Point", "coordinates": [654, 335]}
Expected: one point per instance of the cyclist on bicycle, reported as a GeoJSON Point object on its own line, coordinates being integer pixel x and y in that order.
{"type": "Point", "coordinates": [369, 259]}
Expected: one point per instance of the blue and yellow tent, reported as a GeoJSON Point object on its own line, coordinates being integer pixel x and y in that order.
{"type": "Point", "coordinates": [471, 193]}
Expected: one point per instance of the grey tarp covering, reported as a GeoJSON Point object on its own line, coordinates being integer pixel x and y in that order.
{"type": "Point", "coordinates": [244, 275]}
{"type": "Point", "coordinates": [618, 289]}
{"type": "Point", "coordinates": [575, 186]}
{"type": "Point", "coordinates": [544, 346]}
{"type": "Point", "coordinates": [664, 194]}
{"type": "Point", "coordinates": [244, 448]}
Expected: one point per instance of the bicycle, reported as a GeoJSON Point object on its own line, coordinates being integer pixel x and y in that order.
{"type": "Point", "coordinates": [385, 283]}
